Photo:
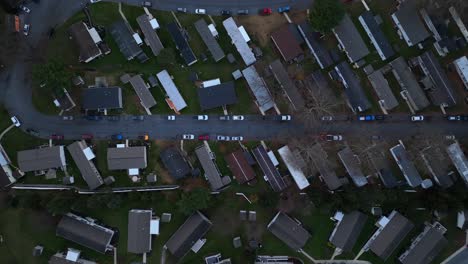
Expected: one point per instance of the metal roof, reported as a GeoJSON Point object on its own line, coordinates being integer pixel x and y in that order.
{"type": "Point", "coordinates": [409, 84]}
{"type": "Point", "coordinates": [143, 92]}
{"type": "Point", "coordinates": [212, 173]}
{"type": "Point", "coordinates": [289, 231]}
{"type": "Point", "coordinates": [238, 41]}
{"type": "Point", "coordinates": [425, 248]}
{"type": "Point", "coordinates": [353, 88]}
{"type": "Point", "coordinates": [258, 88]}
{"type": "Point", "coordinates": [181, 43]}
{"type": "Point", "coordinates": [383, 90]}
{"type": "Point", "coordinates": [461, 65]}
{"type": "Point", "coordinates": [282, 77]}
{"type": "Point", "coordinates": [438, 166]}
{"type": "Point", "coordinates": [347, 231]}
{"type": "Point", "coordinates": [294, 169]}
{"type": "Point", "coordinates": [352, 165]}
{"type": "Point", "coordinates": [240, 167]}
{"type": "Point", "coordinates": [217, 95]}
{"type": "Point", "coordinates": [443, 91]}
{"type": "Point", "coordinates": [171, 90]}
{"type": "Point", "coordinates": [321, 54]}
{"type": "Point", "coordinates": [82, 37]}
{"type": "Point", "coordinates": [96, 98]}
{"type": "Point", "coordinates": [150, 34]}
{"type": "Point", "coordinates": [406, 165]}
{"type": "Point", "coordinates": [286, 43]}
{"type": "Point", "coordinates": [321, 162]}
{"type": "Point", "coordinates": [175, 163]}
{"type": "Point", "coordinates": [84, 232]}
{"type": "Point", "coordinates": [126, 158]}
{"type": "Point", "coordinates": [382, 166]}
{"type": "Point", "coordinates": [41, 158]}
{"type": "Point", "coordinates": [209, 40]}
{"type": "Point", "coordinates": [349, 38]}
{"type": "Point", "coordinates": [409, 23]}
{"type": "Point", "coordinates": [458, 257]}
{"type": "Point", "coordinates": [274, 177]}
{"type": "Point", "coordinates": [376, 35]}
{"type": "Point", "coordinates": [123, 36]}
{"type": "Point", "coordinates": [193, 229]}
{"type": "Point", "coordinates": [391, 235]}
{"type": "Point", "coordinates": [139, 236]}
{"type": "Point", "coordinates": [459, 160]}
{"type": "Point", "coordinates": [86, 167]}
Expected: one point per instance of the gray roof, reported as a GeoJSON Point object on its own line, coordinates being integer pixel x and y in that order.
{"type": "Point", "coordinates": [321, 54]}
{"type": "Point", "coordinates": [143, 92]}
{"type": "Point", "coordinates": [258, 88]}
{"type": "Point", "coordinates": [139, 237]}
{"type": "Point", "coordinates": [274, 177]}
{"type": "Point", "coordinates": [84, 232]}
{"type": "Point", "coordinates": [376, 35]}
{"type": "Point", "coordinates": [328, 174]}
{"type": "Point", "coordinates": [217, 96]}
{"type": "Point", "coordinates": [353, 88]}
{"type": "Point", "coordinates": [95, 98]}
{"type": "Point", "coordinates": [289, 231]}
{"type": "Point", "coordinates": [123, 36]}
{"type": "Point", "coordinates": [126, 158]}
{"type": "Point", "coordinates": [459, 257]}
{"type": "Point", "coordinates": [349, 38]}
{"type": "Point", "coordinates": [438, 166]}
{"type": "Point", "coordinates": [406, 165]}
{"type": "Point", "coordinates": [193, 229]}
{"type": "Point", "coordinates": [41, 158]}
{"type": "Point", "coordinates": [409, 23]}
{"type": "Point", "coordinates": [382, 166]}
{"type": "Point", "coordinates": [424, 249]}
{"type": "Point", "coordinates": [151, 37]}
{"type": "Point", "coordinates": [87, 168]}
{"type": "Point", "coordinates": [88, 49]}
{"type": "Point", "coordinates": [409, 84]}
{"type": "Point", "coordinates": [282, 77]}
{"type": "Point", "coordinates": [391, 235]}
{"type": "Point", "coordinates": [171, 90]}
{"type": "Point", "coordinates": [238, 40]}
{"type": "Point", "coordinates": [347, 230]}
{"type": "Point", "coordinates": [459, 160]}
{"type": "Point", "coordinates": [181, 43]}
{"type": "Point", "coordinates": [209, 40]}
{"type": "Point", "coordinates": [383, 90]}
{"type": "Point", "coordinates": [442, 92]}
{"type": "Point", "coordinates": [353, 167]}
{"type": "Point", "coordinates": [174, 163]}
{"type": "Point", "coordinates": [212, 173]}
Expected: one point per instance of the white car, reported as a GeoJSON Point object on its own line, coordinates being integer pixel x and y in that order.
{"type": "Point", "coordinates": [223, 138]}
{"type": "Point", "coordinates": [171, 117]}
{"type": "Point", "coordinates": [188, 136]}
{"type": "Point", "coordinates": [25, 9]}
{"type": "Point", "coordinates": [326, 118]}
{"type": "Point", "coordinates": [238, 138]}
{"type": "Point", "coordinates": [15, 121]}
{"type": "Point", "coordinates": [238, 117]}
{"type": "Point", "coordinates": [201, 117]}
{"type": "Point", "coordinates": [26, 29]}
{"type": "Point", "coordinates": [94, 1]}
{"type": "Point", "coordinates": [200, 11]}
{"type": "Point", "coordinates": [417, 118]}
{"type": "Point", "coordinates": [284, 118]}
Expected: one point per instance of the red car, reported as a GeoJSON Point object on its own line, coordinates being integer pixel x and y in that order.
{"type": "Point", "coordinates": [87, 136]}
{"type": "Point", "coordinates": [266, 11]}
{"type": "Point", "coordinates": [56, 137]}
{"type": "Point", "coordinates": [204, 137]}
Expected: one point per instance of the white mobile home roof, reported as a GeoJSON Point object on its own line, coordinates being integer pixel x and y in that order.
{"type": "Point", "coordinates": [244, 34]}
{"type": "Point", "coordinates": [171, 90]}
{"type": "Point", "coordinates": [462, 68]}
{"type": "Point", "coordinates": [459, 160]}
{"type": "Point", "coordinates": [293, 168]}
{"type": "Point", "coordinates": [239, 41]}
{"type": "Point", "coordinates": [259, 88]}
{"type": "Point", "coordinates": [212, 82]}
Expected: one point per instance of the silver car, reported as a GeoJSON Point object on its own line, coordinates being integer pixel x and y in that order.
{"type": "Point", "coordinates": [202, 117]}
{"type": "Point", "coordinates": [223, 138]}
{"type": "Point", "coordinates": [238, 138]}
{"type": "Point", "coordinates": [171, 117]}
{"type": "Point", "coordinates": [188, 136]}
{"type": "Point", "coordinates": [238, 117]}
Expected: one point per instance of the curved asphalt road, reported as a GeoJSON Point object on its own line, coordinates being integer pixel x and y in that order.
{"type": "Point", "coordinates": [15, 90]}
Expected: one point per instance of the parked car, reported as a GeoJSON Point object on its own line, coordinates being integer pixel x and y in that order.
{"type": "Point", "coordinates": [457, 118]}
{"type": "Point", "coordinates": [366, 118]}
{"type": "Point", "coordinates": [94, 1]}
{"type": "Point", "coordinates": [188, 136]}
{"type": "Point", "coordinates": [266, 11]}
{"type": "Point", "coordinates": [171, 117]}
{"type": "Point", "coordinates": [417, 118]}
{"type": "Point", "coordinates": [146, 4]}
{"type": "Point", "coordinates": [15, 121]}
{"type": "Point", "coordinates": [25, 9]}
{"type": "Point", "coordinates": [200, 11]}
{"type": "Point", "coordinates": [376, 137]}
{"type": "Point", "coordinates": [201, 117]}
{"type": "Point", "coordinates": [224, 118]}
{"type": "Point", "coordinates": [56, 137]}
{"type": "Point", "coordinates": [238, 138]}
{"type": "Point", "coordinates": [243, 12]}
{"type": "Point", "coordinates": [32, 132]}
{"type": "Point", "coordinates": [94, 118]}
{"type": "Point", "coordinates": [67, 118]}
{"type": "Point", "coordinates": [204, 137]}
{"type": "Point", "coordinates": [144, 137]}
{"type": "Point", "coordinates": [26, 29]}
{"type": "Point", "coordinates": [138, 118]}
{"type": "Point", "coordinates": [113, 118]}
{"type": "Point", "coordinates": [223, 138]}
{"type": "Point", "coordinates": [380, 117]}
{"type": "Point", "coordinates": [283, 9]}
{"type": "Point", "coordinates": [86, 136]}
{"type": "Point", "coordinates": [182, 9]}
{"type": "Point", "coordinates": [449, 137]}
{"type": "Point", "coordinates": [238, 117]}
{"type": "Point", "coordinates": [225, 12]}
{"type": "Point", "coordinates": [333, 137]}
{"type": "Point", "coordinates": [326, 118]}
{"type": "Point", "coordinates": [117, 137]}
{"type": "Point", "coordinates": [284, 118]}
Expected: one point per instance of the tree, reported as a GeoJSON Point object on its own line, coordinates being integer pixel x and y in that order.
{"type": "Point", "coordinates": [326, 14]}
{"type": "Point", "coordinates": [53, 76]}
{"type": "Point", "coordinates": [59, 203]}
{"type": "Point", "coordinates": [198, 198]}
{"type": "Point", "coordinates": [166, 56]}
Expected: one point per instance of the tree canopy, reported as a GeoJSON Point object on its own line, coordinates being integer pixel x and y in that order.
{"type": "Point", "coordinates": [53, 76]}
{"type": "Point", "coordinates": [326, 14]}
{"type": "Point", "coordinates": [194, 200]}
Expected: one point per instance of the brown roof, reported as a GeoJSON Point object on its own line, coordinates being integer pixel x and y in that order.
{"type": "Point", "coordinates": [286, 43]}
{"type": "Point", "coordinates": [240, 166]}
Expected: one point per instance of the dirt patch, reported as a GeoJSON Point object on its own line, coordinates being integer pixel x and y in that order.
{"type": "Point", "coordinates": [260, 27]}
{"type": "Point", "coordinates": [192, 183]}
